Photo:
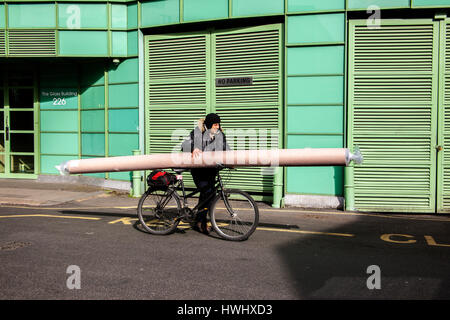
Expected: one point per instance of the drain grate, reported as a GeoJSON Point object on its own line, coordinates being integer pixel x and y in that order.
{"type": "Point", "coordinates": [13, 245]}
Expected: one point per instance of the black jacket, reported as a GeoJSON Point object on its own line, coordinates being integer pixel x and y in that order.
{"type": "Point", "coordinates": [201, 139]}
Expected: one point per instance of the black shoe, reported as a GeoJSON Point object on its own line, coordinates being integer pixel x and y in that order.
{"type": "Point", "coordinates": [201, 227]}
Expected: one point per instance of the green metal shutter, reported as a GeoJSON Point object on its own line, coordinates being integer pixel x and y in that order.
{"type": "Point", "coordinates": [180, 89]}
{"type": "Point", "coordinates": [177, 88]}
{"type": "Point", "coordinates": [251, 52]}
{"type": "Point", "coordinates": [443, 193]}
{"type": "Point", "coordinates": [392, 114]}
{"type": "Point", "coordinates": [34, 42]}
{"type": "Point", "coordinates": [2, 43]}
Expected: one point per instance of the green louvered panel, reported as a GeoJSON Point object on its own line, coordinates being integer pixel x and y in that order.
{"type": "Point", "coordinates": [398, 118]}
{"type": "Point", "coordinates": [372, 183]}
{"type": "Point", "coordinates": [2, 43]}
{"type": "Point", "coordinates": [445, 177]}
{"type": "Point", "coordinates": [394, 48]}
{"type": "Point", "coordinates": [262, 92]}
{"type": "Point", "coordinates": [444, 134]}
{"type": "Point", "coordinates": [247, 53]}
{"type": "Point", "coordinates": [165, 121]}
{"type": "Point", "coordinates": [409, 90]}
{"type": "Point", "coordinates": [250, 114]}
{"type": "Point", "coordinates": [392, 114]}
{"type": "Point", "coordinates": [177, 57]}
{"type": "Point", "coordinates": [31, 42]}
{"type": "Point", "coordinates": [385, 151]}
{"type": "Point", "coordinates": [177, 92]}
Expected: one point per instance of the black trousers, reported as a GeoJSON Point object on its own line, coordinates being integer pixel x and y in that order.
{"type": "Point", "coordinates": [204, 179]}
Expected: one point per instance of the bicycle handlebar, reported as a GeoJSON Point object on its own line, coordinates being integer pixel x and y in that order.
{"type": "Point", "coordinates": [220, 166]}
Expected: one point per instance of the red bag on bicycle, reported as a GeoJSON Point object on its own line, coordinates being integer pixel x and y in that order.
{"type": "Point", "coordinates": [160, 178]}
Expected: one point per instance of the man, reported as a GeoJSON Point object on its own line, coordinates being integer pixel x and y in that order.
{"type": "Point", "coordinates": [207, 136]}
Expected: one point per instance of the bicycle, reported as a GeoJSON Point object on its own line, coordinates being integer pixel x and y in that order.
{"type": "Point", "coordinates": [233, 213]}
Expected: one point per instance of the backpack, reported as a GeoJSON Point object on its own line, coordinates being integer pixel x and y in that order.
{"type": "Point", "coordinates": [160, 179]}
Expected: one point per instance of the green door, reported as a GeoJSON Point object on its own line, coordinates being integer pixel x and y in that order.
{"type": "Point", "coordinates": [181, 72]}
{"type": "Point", "coordinates": [2, 126]}
{"type": "Point", "coordinates": [177, 80]}
{"type": "Point", "coordinates": [443, 143]}
{"type": "Point", "coordinates": [393, 115]}
{"type": "Point", "coordinates": [17, 126]}
{"type": "Point", "coordinates": [251, 114]}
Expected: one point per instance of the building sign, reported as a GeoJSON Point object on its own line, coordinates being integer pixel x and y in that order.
{"type": "Point", "coordinates": [58, 97]}
{"type": "Point", "coordinates": [231, 82]}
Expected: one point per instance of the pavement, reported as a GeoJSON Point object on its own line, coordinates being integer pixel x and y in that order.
{"type": "Point", "coordinates": [33, 193]}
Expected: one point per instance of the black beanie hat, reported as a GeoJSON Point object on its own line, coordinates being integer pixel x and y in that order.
{"type": "Point", "coordinates": [211, 119]}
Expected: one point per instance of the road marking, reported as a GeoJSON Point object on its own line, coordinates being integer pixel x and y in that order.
{"type": "Point", "coordinates": [408, 239]}
{"type": "Point", "coordinates": [69, 208]}
{"type": "Point", "coordinates": [183, 225]}
{"type": "Point", "coordinates": [431, 242]}
{"type": "Point", "coordinates": [388, 237]}
{"type": "Point", "coordinates": [126, 221]}
{"type": "Point", "coordinates": [48, 216]}
{"type": "Point", "coordinates": [297, 213]}
{"type": "Point", "coordinates": [307, 232]}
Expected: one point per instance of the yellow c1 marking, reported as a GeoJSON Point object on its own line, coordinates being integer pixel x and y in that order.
{"type": "Point", "coordinates": [387, 237]}
{"type": "Point", "coordinates": [48, 216]}
{"type": "Point", "coordinates": [431, 242]}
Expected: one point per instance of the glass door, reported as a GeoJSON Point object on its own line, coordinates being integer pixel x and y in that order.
{"type": "Point", "coordinates": [17, 128]}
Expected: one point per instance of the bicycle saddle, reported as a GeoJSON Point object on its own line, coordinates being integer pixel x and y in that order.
{"type": "Point", "coordinates": [179, 171]}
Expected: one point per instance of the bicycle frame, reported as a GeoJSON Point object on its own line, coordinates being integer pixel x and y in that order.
{"type": "Point", "coordinates": [218, 189]}
{"type": "Point", "coordinates": [229, 224]}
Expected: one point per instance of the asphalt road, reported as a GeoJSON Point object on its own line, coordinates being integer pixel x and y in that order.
{"type": "Point", "coordinates": [75, 252]}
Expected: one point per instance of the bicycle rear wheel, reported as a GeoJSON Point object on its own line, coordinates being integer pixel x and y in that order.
{"type": "Point", "coordinates": [234, 217]}
{"type": "Point", "coordinates": [159, 211]}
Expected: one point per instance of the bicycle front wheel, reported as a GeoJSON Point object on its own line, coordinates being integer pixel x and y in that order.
{"type": "Point", "coordinates": [159, 211]}
{"type": "Point", "coordinates": [235, 216]}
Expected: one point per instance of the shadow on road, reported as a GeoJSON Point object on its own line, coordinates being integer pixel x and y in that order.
{"type": "Point", "coordinates": [326, 266]}
{"type": "Point", "coordinates": [323, 267]}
